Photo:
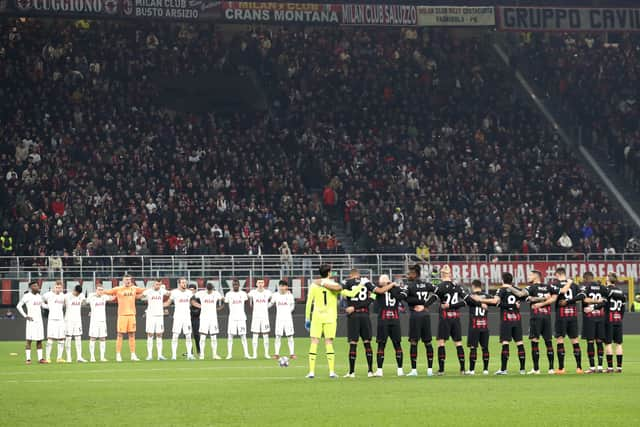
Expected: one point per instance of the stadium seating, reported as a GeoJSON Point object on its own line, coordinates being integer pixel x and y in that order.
{"type": "Point", "coordinates": [415, 137]}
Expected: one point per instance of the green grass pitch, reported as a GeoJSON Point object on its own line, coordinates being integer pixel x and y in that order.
{"type": "Point", "coordinates": [260, 393]}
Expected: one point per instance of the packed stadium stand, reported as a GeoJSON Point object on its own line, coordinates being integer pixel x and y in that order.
{"type": "Point", "coordinates": [414, 139]}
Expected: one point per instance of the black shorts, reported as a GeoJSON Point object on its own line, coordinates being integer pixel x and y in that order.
{"type": "Point", "coordinates": [389, 329]}
{"type": "Point", "coordinates": [567, 326]}
{"type": "Point", "coordinates": [478, 336]}
{"type": "Point", "coordinates": [359, 326]}
{"type": "Point", "coordinates": [593, 328]}
{"type": "Point", "coordinates": [510, 331]}
{"type": "Point", "coordinates": [613, 333]}
{"type": "Point", "coordinates": [420, 327]}
{"type": "Point", "coordinates": [540, 325]}
{"type": "Point", "coordinates": [195, 325]}
{"type": "Point", "coordinates": [449, 328]}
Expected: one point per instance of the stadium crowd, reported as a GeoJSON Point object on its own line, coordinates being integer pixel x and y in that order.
{"type": "Point", "coordinates": [596, 79]}
{"type": "Point", "coordinates": [415, 138]}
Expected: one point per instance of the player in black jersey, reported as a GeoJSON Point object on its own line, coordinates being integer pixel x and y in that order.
{"type": "Point", "coordinates": [478, 329]}
{"type": "Point", "coordinates": [540, 321]}
{"type": "Point", "coordinates": [451, 298]}
{"type": "Point", "coordinates": [420, 295]}
{"type": "Point", "coordinates": [358, 320]}
{"type": "Point", "coordinates": [387, 306]}
{"type": "Point", "coordinates": [567, 319]}
{"type": "Point", "coordinates": [508, 299]}
{"type": "Point", "coordinates": [614, 313]}
{"type": "Point", "coordinates": [593, 306]}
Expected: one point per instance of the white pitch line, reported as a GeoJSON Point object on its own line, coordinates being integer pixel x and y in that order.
{"type": "Point", "coordinates": [149, 380]}
{"type": "Point", "coordinates": [168, 368]}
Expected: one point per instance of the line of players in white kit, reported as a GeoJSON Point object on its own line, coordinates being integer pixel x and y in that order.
{"type": "Point", "coordinates": [64, 323]}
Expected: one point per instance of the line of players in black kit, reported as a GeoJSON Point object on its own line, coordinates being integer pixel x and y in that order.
{"type": "Point", "coordinates": [602, 310]}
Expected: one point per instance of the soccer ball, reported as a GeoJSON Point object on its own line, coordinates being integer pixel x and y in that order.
{"type": "Point", "coordinates": [283, 361]}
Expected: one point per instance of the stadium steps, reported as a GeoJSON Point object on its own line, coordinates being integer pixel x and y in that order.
{"type": "Point", "coordinates": [342, 236]}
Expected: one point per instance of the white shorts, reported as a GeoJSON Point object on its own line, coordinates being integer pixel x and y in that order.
{"type": "Point", "coordinates": [260, 325]}
{"type": "Point", "coordinates": [155, 325]}
{"type": "Point", "coordinates": [284, 327]}
{"type": "Point", "coordinates": [97, 329]}
{"type": "Point", "coordinates": [208, 326]}
{"type": "Point", "coordinates": [55, 329]}
{"type": "Point", "coordinates": [73, 328]}
{"type": "Point", "coordinates": [181, 326]}
{"type": "Point", "coordinates": [34, 330]}
{"type": "Point", "coordinates": [237, 327]}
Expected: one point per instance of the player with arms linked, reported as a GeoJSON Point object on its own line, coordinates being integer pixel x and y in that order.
{"type": "Point", "coordinates": [420, 295]}
{"type": "Point", "coordinates": [614, 313]}
{"type": "Point", "coordinates": [358, 320]}
{"type": "Point", "coordinates": [478, 328]}
{"type": "Point", "coordinates": [540, 296]}
{"type": "Point", "coordinates": [593, 307]}
{"type": "Point", "coordinates": [452, 297]}
{"type": "Point", "coordinates": [387, 306]}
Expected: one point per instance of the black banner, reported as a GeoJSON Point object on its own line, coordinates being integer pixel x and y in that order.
{"type": "Point", "coordinates": [567, 19]}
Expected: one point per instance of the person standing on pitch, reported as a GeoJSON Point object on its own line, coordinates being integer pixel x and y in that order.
{"type": "Point", "coordinates": [73, 322]}
{"type": "Point", "coordinates": [259, 300]}
{"type": "Point", "coordinates": [55, 323]}
{"type": "Point", "coordinates": [126, 296]}
{"type": "Point", "coordinates": [154, 327]}
{"type": "Point", "coordinates": [35, 326]}
{"type": "Point", "coordinates": [209, 302]}
{"type": "Point", "coordinates": [181, 298]}
{"type": "Point", "coordinates": [98, 323]}
{"type": "Point", "coordinates": [194, 311]}
{"type": "Point", "coordinates": [237, 323]}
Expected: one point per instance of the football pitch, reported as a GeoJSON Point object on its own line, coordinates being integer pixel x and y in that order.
{"type": "Point", "coordinates": [259, 392]}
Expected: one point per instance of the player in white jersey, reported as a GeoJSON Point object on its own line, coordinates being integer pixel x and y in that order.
{"type": "Point", "coordinates": [181, 298]}
{"type": "Point", "coordinates": [34, 327]}
{"type": "Point", "coordinates": [259, 299]}
{"type": "Point", "coordinates": [209, 307]}
{"type": "Point", "coordinates": [55, 324]}
{"type": "Point", "coordinates": [73, 322]}
{"type": "Point", "coordinates": [285, 304]}
{"type": "Point", "coordinates": [155, 297]}
{"type": "Point", "coordinates": [98, 323]}
{"type": "Point", "coordinates": [237, 325]}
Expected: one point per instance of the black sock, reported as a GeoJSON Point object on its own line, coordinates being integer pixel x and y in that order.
{"type": "Point", "coordinates": [369, 353]}
{"type": "Point", "coordinates": [505, 357]}
{"type": "Point", "coordinates": [380, 355]}
{"type": "Point", "coordinates": [460, 351]}
{"type": "Point", "coordinates": [619, 360]}
{"type": "Point", "coordinates": [352, 357]}
{"type": "Point", "coordinates": [549, 345]}
{"type": "Point", "coordinates": [561, 356]}
{"type": "Point", "coordinates": [577, 353]}
{"type": "Point", "coordinates": [485, 359]}
{"type": "Point", "coordinates": [413, 354]}
{"type": "Point", "coordinates": [521, 356]}
{"type": "Point", "coordinates": [429, 355]}
{"type": "Point", "coordinates": [442, 354]}
{"type": "Point", "coordinates": [609, 360]}
{"type": "Point", "coordinates": [399, 354]}
{"type": "Point", "coordinates": [591, 354]}
{"type": "Point", "coordinates": [600, 347]}
{"type": "Point", "coordinates": [535, 355]}
{"type": "Point", "coordinates": [473, 355]}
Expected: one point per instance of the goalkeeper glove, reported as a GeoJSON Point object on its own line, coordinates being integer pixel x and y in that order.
{"type": "Point", "coordinates": [307, 324]}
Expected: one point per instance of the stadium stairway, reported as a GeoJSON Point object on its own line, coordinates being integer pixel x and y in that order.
{"type": "Point", "coordinates": [596, 161]}
{"type": "Point", "coordinates": [341, 234]}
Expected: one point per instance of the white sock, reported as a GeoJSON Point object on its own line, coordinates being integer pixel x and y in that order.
{"type": "Point", "coordinates": [203, 342]}
{"type": "Point", "coordinates": [159, 345]}
{"type": "Point", "coordinates": [78, 340]}
{"type": "Point", "coordinates": [243, 340]}
{"type": "Point", "coordinates": [254, 343]}
{"type": "Point", "coordinates": [67, 346]}
{"type": "Point", "coordinates": [214, 345]}
{"type": "Point", "coordinates": [265, 341]}
{"type": "Point", "coordinates": [39, 352]}
{"type": "Point", "coordinates": [28, 354]}
{"type": "Point", "coordinates": [92, 349]}
{"type": "Point", "coordinates": [61, 348]}
{"type": "Point", "coordinates": [103, 348]}
{"type": "Point", "coordinates": [49, 348]}
{"type": "Point", "coordinates": [189, 344]}
{"type": "Point", "coordinates": [290, 341]}
{"type": "Point", "coordinates": [276, 345]}
{"type": "Point", "coordinates": [149, 347]}
{"type": "Point", "coordinates": [174, 345]}
{"type": "Point", "coordinates": [229, 345]}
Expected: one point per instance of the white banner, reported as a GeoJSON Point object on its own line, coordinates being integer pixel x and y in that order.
{"type": "Point", "coordinates": [568, 19]}
{"type": "Point", "coordinates": [452, 16]}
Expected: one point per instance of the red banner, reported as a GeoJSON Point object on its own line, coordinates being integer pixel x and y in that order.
{"type": "Point", "coordinates": [491, 271]}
